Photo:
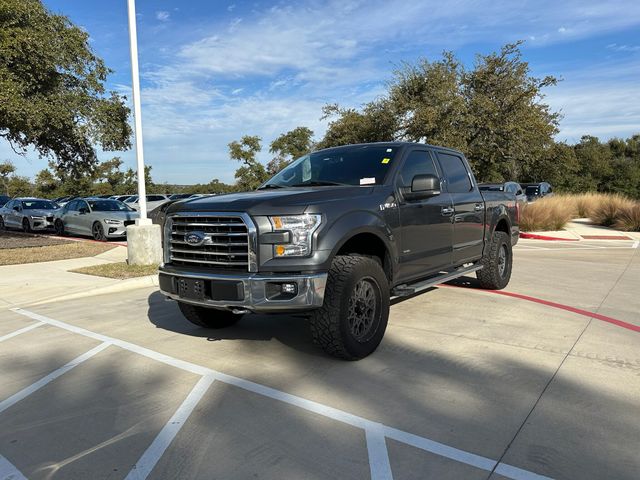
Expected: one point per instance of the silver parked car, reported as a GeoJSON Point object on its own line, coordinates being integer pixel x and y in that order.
{"type": "Point", "coordinates": [101, 218]}
{"type": "Point", "coordinates": [154, 200]}
{"type": "Point", "coordinates": [28, 214]}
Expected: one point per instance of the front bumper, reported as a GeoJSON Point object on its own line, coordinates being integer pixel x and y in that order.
{"type": "Point", "coordinates": [247, 291]}
{"type": "Point", "coordinates": [41, 223]}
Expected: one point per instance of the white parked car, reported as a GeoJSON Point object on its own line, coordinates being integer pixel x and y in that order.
{"type": "Point", "coordinates": [154, 200]}
{"type": "Point", "coordinates": [28, 214]}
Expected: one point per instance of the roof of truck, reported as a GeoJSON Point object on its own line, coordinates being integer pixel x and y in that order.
{"type": "Point", "coordinates": [397, 145]}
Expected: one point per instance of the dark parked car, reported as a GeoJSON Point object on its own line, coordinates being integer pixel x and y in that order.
{"type": "Point", "coordinates": [4, 199]}
{"type": "Point", "coordinates": [535, 191]}
{"type": "Point", "coordinates": [336, 235]}
{"type": "Point", "coordinates": [510, 187]}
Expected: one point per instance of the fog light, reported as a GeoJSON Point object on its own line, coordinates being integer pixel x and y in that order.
{"type": "Point", "coordinates": [290, 288]}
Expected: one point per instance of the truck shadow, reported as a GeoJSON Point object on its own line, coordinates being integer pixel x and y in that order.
{"type": "Point", "coordinates": [289, 330]}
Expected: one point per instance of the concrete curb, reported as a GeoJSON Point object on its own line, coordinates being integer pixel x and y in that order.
{"type": "Point", "coordinates": [120, 286]}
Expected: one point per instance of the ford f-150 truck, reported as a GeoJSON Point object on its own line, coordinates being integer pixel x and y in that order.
{"type": "Point", "coordinates": [336, 235]}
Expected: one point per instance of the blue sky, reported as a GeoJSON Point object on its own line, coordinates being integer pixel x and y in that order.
{"type": "Point", "coordinates": [212, 71]}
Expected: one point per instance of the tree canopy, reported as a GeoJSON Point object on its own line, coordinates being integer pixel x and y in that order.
{"type": "Point", "coordinates": [52, 92]}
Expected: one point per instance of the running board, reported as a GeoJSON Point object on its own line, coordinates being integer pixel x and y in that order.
{"type": "Point", "coordinates": [412, 288]}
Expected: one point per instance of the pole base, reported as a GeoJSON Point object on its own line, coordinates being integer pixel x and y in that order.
{"type": "Point", "coordinates": [144, 245]}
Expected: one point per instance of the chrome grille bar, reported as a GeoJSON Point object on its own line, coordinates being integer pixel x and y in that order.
{"type": "Point", "coordinates": [229, 240]}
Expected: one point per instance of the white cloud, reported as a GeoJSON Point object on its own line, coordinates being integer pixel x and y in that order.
{"type": "Point", "coordinates": [623, 48]}
{"type": "Point", "coordinates": [162, 15]}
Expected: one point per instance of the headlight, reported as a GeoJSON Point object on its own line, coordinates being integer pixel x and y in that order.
{"type": "Point", "coordinates": [113, 222]}
{"type": "Point", "coordinates": [301, 228]}
{"type": "Point", "coordinates": [36, 217]}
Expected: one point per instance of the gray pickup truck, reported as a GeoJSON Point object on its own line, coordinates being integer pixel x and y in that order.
{"type": "Point", "coordinates": [336, 235]}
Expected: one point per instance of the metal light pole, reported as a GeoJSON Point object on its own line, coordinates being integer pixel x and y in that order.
{"type": "Point", "coordinates": [137, 114]}
{"type": "Point", "coordinates": [144, 240]}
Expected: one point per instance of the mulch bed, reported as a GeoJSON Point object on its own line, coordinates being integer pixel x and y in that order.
{"type": "Point", "coordinates": [11, 239]}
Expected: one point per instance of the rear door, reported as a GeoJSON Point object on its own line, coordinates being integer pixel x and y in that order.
{"type": "Point", "coordinates": [468, 219]}
{"type": "Point", "coordinates": [425, 224]}
{"type": "Point", "coordinates": [71, 216]}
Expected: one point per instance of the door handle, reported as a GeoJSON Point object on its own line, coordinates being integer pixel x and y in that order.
{"type": "Point", "coordinates": [446, 211]}
{"type": "Point", "coordinates": [479, 207]}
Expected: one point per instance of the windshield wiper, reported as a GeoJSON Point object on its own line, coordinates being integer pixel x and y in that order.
{"type": "Point", "coordinates": [318, 183]}
{"type": "Point", "coordinates": [270, 185]}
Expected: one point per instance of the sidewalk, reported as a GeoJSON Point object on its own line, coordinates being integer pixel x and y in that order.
{"type": "Point", "coordinates": [583, 229]}
{"type": "Point", "coordinates": [36, 283]}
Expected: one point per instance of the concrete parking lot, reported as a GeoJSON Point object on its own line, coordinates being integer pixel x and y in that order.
{"type": "Point", "coordinates": [467, 384]}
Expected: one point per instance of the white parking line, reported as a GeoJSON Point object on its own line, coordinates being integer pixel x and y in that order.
{"type": "Point", "coordinates": [378, 455]}
{"type": "Point", "coordinates": [18, 332]}
{"type": "Point", "coordinates": [150, 457]}
{"type": "Point", "coordinates": [373, 430]}
{"type": "Point", "coordinates": [8, 471]}
{"type": "Point", "coordinates": [34, 387]}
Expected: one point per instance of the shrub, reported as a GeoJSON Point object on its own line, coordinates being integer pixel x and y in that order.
{"type": "Point", "coordinates": [628, 219]}
{"type": "Point", "coordinates": [609, 208]}
{"type": "Point", "coordinates": [585, 203]}
{"type": "Point", "coordinates": [551, 213]}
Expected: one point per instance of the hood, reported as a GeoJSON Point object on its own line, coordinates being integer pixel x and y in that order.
{"type": "Point", "coordinates": [118, 215]}
{"type": "Point", "coordinates": [38, 212]}
{"type": "Point", "coordinates": [284, 201]}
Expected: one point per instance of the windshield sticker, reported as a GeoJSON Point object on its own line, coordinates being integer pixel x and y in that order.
{"type": "Point", "coordinates": [389, 150]}
{"type": "Point", "coordinates": [368, 181]}
{"type": "Point", "coordinates": [386, 160]}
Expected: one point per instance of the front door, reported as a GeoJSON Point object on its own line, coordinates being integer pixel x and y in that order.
{"type": "Point", "coordinates": [425, 225]}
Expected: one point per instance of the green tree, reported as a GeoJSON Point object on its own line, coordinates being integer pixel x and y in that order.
{"type": "Point", "coordinates": [109, 172]}
{"type": "Point", "coordinates": [428, 101]}
{"type": "Point", "coordinates": [6, 170]}
{"type": "Point", "coordinates": [376, 123]}
{"type": "Point", "coordinates": [288, 147]}
{"type": "Point", "coordinates": [252, 173]}
{"type": "Point", "coordinates": [595, 162]}
{"type": "Point", "coordinates": [19, 186]}
{"type": "Point", "coordinates": [46, 184]}
{"type": "Point", "coordinates": [509, 127]}
{"type": "Point", "coordinates": [52, 94]}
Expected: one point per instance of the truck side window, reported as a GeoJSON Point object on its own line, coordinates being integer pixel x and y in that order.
{"type": "Point", "coordinates": [455, 172]}
{"type": "Point", "coordinates": [417, 163]}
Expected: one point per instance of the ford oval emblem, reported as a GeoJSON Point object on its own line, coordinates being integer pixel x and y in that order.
{"type": "Point", "coordinates": [195, 239]}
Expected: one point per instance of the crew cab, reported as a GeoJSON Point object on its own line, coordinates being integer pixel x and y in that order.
{"type": "Point", "coordinates": [336, 235]}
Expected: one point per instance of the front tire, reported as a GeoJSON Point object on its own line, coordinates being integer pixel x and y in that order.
{"type": "Point", "coordinates": [496, 265]}
{"type": "Point", "coordinates": [353, 318]}
{"type": "Point", "coordinates": [98, 232]}
{"type": "Point", "coordinates": [26, 225]}
{"type": "Point", "coordinates": [208, 317]}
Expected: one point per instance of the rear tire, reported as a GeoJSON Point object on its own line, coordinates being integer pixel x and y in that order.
{"type": "Point", "coordinates": [208, 317]}
{"type": "Point", "coordinates": [58, 225]}
{"type": "Point", "coordinates": [26, 225]}
{"type": "Point", "coordinates": [496, 264]}
{"type": "Point", "coordinates": [353, 318]}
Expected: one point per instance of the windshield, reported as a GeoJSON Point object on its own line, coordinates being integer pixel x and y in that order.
{"type": "Point", "coordinates": [532, 190]}
{"type": "Point", "coordinates": [108, 206]}
{"type": "Point", "coordinates": [178, 196]}
{"type": "Point", "coordinates": [131, 199]}
{"type": "Point", "coordinates": [38, 205]}
{"type": "Point", "coordinates": [349, 165]}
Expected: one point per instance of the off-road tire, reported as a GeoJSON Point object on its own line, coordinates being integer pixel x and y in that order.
{"type": "Point", "coordinates": [493, 276]}
{"type": "Point", "coordinates": [208, 317]}
{"type": "Point", "coordinates": [58, 226]}
{"type": "Point", "coordinates": [97, 231]}
{"type": "Point", "coordinates": [26, 225]}
{"type": "Point", "coordinates": [330, 324]}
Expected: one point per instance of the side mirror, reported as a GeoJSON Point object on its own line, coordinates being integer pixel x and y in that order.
{"type": "Point", "coordinates": [83, 211]}
{"type": "Point", "coordinates": [423, 186]}
{"type": "Point", "coordinates": [17, 208]}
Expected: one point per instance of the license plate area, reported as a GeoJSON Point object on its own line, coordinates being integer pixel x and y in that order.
{"type": "Point", "coordinates": [191, 288]}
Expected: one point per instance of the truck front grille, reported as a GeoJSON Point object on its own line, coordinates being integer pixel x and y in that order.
{"type": "Point", "coordinates": [225, 246]}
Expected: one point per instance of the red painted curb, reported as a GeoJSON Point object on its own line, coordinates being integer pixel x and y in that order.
{"type": "Point", "coordinates": [568, 308]}
{"type": "Point", "coordinates": [533, 236]}
{"type": "Point", "coordinates": [79, 239]}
